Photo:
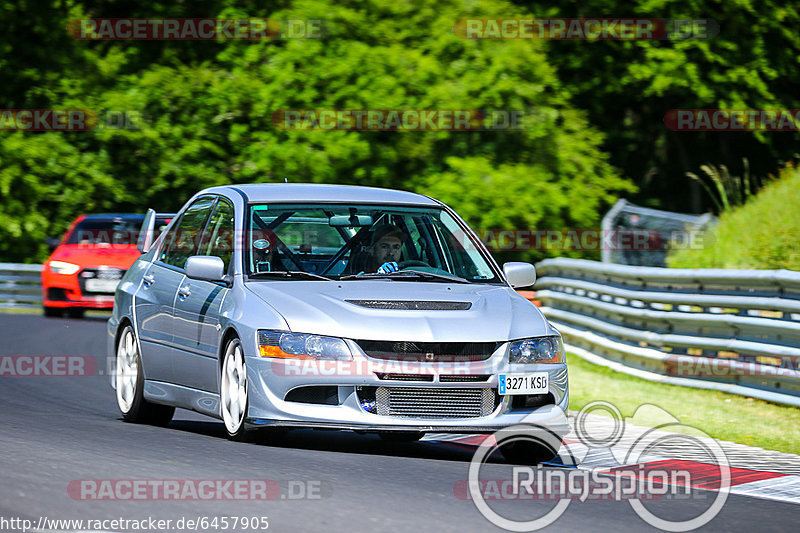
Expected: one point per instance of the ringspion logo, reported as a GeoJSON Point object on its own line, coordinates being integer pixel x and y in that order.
{"type": "Point", "coordinates": [636, 473]}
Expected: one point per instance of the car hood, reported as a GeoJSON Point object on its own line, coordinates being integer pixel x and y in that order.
{"type": "Point", "coordinates": [496, 313]}
{"type": "Point", "coordinates": [116, 256]}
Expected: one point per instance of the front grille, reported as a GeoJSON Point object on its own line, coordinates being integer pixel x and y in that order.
{"type": "Point", "coordinates": [449, 378]}
{"type": "Point", "coordinates": [418, 402]}
{"type": "Point", "coordinates": [412, 305]}
{"type": "Point", "coordinates": [429, 351]}
{"type": "Point", "coordinates": [404, 377]}
{"type": "Point", "coordinates": [106, 275]}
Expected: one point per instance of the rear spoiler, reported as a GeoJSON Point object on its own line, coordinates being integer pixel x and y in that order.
{"type": "Point", "coordinates": [147, 234]}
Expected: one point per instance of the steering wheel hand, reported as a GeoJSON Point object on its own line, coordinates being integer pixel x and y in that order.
{"type": "Point", "coordinates": [387, 267]}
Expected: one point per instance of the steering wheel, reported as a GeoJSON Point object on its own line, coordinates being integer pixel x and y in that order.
{"type": "Point", "coordinates": [412, 263]}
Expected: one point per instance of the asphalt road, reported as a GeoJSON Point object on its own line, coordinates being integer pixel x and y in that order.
{"type": "Point", "coordinates": [56, 430]}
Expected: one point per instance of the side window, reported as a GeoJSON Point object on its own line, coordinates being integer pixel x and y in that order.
{"type": "Point", "coordinates": [184, 239]}
{"type": "Point", "coordinates": [218, 238]}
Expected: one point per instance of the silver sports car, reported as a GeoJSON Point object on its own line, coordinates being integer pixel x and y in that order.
{"type": "Point", "coordinates": [327, 306]}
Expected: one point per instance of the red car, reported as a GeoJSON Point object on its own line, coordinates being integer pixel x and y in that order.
{"type": "Point", "coordinates": [84, 269]}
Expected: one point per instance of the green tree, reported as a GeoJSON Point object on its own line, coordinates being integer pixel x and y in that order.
{"type": "Point", "coordinates": [205, 119]}
{"type": "Point", "coordinates": [628, 86]}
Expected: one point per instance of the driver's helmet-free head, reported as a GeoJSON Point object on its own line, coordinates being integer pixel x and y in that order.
{"type": "Point", "coordinates": [387, 242]}
{"type": "Point", "coordinates": [382, 231]}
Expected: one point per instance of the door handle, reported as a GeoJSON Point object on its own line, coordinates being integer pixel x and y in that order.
{"type": "Point", "coordinates": [184, 292]}
{"type": "Point", "coordinates": [148, 280]}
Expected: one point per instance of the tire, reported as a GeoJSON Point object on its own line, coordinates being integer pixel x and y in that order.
{"type": "Point", "coordinates": [401, 436]}
{"type": "Point", "coordinates": [53, 312]}
{"type": "Point", "coordinates": [129, 381]}
{"type": "Point", "coordinates": [233, 391]}
{"type": "Point", "coordinates": [523, 452]}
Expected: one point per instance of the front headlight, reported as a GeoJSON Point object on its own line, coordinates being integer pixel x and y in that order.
{"type": "Point", "coordinates": [301, 346]}
{"type": "Point", "coordinates": [537, 350]}
{"type": "Point", "coordinates": [62, 267]}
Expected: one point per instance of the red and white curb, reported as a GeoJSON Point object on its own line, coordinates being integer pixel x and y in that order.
{"type": "Point", "coordinates": [754, 472]}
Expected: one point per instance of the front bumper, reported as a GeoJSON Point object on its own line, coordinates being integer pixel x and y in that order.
{"type": "Point", "coordinates": [271, 380]}
{"type": "Point", "coordinates": [67, 291]}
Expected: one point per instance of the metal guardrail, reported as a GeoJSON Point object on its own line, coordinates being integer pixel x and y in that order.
{"type": "Point", "coordinates": [733, 330]}
{"type": "Point", "coordinates": [666, 225]}
{"type": "Point", "coordinates": [20, 286]}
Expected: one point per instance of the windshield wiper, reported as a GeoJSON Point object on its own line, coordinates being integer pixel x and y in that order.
{"type": "Point", "coordinates": [289, 274]}
{"type": "Point", "coordinates": [407, 274]}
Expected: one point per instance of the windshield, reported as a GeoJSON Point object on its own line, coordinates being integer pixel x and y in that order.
{"type": "Point", "coordinates": [362, 242]}
{"type": "Point", "coordinates": [116, 230]}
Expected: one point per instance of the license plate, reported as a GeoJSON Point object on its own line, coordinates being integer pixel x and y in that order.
{"type": "Point", "coordinates": [101, 285]}
{"type": "Point", "coordinates": [529, 383]}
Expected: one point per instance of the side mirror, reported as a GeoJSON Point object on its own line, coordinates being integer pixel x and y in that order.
{"type": "Point", "coordinates": [52, 243]}
{"type": "Point", "coordinates": [145, 239]}
{"type": "Point", "coordinates": [520, 274]}
{"type": "Point", "coordinates": [206, 267]}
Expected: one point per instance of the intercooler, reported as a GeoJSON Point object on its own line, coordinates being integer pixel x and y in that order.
{"type": "Point", "coordinates": [418, 402]}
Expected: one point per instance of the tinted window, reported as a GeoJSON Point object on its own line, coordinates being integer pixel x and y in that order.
{"type": "Point", "coordinates": [218, 237]}
{"type": "Point", "coordinates": [186, 235]}
{"type": "Point", "coordinates": [117, 230]}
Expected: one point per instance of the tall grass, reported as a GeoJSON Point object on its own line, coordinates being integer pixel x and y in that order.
{"type": "Point", "coordinates": [763, 233]}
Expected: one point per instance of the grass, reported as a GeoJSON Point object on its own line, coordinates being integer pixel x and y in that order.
{"type": "Point", "coordinates": [721, 415]}
{"type": "Point", "coordinates": [762, 233]}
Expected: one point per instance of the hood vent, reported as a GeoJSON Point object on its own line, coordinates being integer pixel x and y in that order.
{"type": "Point", "coordinates": [412, 305]}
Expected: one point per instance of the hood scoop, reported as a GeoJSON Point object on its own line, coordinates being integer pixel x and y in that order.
{"type": "Point", "coordinates": [412, 305]}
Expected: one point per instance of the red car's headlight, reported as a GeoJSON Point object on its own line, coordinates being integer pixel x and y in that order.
{"type": "Point", "coordinates": [62, 267]}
